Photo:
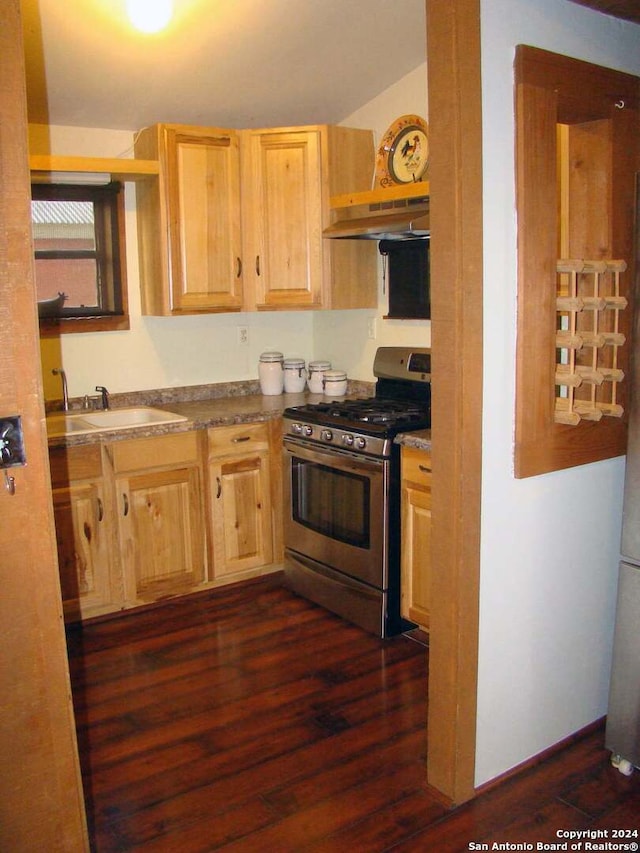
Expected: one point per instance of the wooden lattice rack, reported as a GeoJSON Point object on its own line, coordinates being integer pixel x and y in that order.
{"type": "Point", "coordinates": [588, 304]}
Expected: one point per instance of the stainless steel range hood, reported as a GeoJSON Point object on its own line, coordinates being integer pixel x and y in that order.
{"type": "Point", "coordinates": [397, 219]}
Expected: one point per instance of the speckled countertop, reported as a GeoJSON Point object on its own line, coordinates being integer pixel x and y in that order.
{"type": "Point", "coordinates": [420, 440]}
{"type": "Point", "coordinates": [222, 404]}
{"type": "Point", "coordinates": [203, 406]}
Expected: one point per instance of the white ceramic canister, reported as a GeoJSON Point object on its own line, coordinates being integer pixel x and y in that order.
{"type": "Point", "coordinates": [316, 375]}
{"type": "Point", "coordinates": [295, 376]}
{"type": "Point", "coordinates": [335, 383]}
{"type": "Point", "coordinates": [271, 373]}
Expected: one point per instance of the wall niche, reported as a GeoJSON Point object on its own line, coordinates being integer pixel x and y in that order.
{"type": "Point", "coordinates": [577, 153]}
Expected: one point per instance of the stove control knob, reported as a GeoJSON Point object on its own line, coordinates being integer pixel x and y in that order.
{"type": "Point", "coordinates": [308, 430]}
{"type": "Point", "coordinates": [296, 428]}
{"type": "Point", "coordinates": [361, 443]}
{"type": "Point", "coordinates": [347, 439]}
{"type": "Point", "coordinates": [327, 435]}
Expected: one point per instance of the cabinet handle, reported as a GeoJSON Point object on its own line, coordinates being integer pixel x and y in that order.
{"type": "Point", "coordinates": [425, 468]}
{"type": "Point", "coordinates": [240, 439]}
{"type": "Point", "coordinates": [100, 510]}
{"type": "Point", "coordinates": [257, 264]}
{"type": "Point", "coordinates": [125, 504]}
{"type": "Point", "coordinates": [239, 263]}
{"type": "Point", "coordinates": [219, 482]}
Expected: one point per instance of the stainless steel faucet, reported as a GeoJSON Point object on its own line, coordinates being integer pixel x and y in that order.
{"type": "Point", "coordinates": [58, 371]}
{"type": "Point", "coordinates": [105, 396]}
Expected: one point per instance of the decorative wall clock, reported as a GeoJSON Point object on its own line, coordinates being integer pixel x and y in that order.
{"type": "Point", "coordinates": [403, 156]}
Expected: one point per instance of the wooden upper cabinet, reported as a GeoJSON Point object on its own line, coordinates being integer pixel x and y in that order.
{"type": "Point", "coordinates": [210, 241]}
{"type": "Point", "coordinates": [283, 192]}
{"type": "Point", "coordinates": [289, 175]}
{"type": "Point", "coordinates": [189, 229]}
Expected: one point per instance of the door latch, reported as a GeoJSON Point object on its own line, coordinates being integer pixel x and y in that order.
{"type": "Point", "coordinates": [11, 449]}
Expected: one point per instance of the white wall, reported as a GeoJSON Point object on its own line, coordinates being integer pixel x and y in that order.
{"type": "Point", "coordinates": [550, 543]}
{"type": "Point", "coordinates": [343, 336]}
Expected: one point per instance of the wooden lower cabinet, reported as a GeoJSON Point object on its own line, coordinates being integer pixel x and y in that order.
{"type": "Point", "coordinates": [239, 499]}
{"type": "Point", "coordinates": [143, 519]}
{"type": "Point", "coordinates": [84, 529]}
{"type": "Point", "coordinates": [416, 535]}
{"type": "Point", "coordinates": [159, 500]}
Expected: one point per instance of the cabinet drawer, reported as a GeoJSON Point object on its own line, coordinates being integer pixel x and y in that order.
{"type": "Point", "coordinates": [75, 463]}
{"type": "Point", "coordinates": [416, 466]}
{"type": "Point", "coordinates": [239, 438]}
{"type": "Point", "coordinates": [155, 452]}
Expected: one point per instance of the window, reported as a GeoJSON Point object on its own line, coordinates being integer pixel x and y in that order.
{"type": "Point", "coordinates": [78, 234]}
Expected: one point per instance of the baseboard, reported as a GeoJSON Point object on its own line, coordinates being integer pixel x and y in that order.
{"type": "Point", "coordinates": [541, 756]}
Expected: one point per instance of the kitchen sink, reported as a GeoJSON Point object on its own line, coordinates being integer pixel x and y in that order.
{"type": "Point", "coordinates": [66, 424]}
{"type": "Point", "coordinates": [122, 418]}
{"type": "Point", "coordinates": [110, 419]}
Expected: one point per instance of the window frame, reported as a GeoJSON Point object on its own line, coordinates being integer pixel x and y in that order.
{"type": "Point", "coordinates": [110, 256]}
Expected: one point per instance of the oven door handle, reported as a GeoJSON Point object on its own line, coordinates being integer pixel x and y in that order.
{"type": "Point", "coordinates": [340, 458]}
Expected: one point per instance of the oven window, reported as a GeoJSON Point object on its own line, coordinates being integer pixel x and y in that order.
{"type": "Point", "coordinates": [331, 502]}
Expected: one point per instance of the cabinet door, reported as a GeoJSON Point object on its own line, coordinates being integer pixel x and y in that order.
{"type": "Point", "coordinates": [84, 532]}
{"type": "Point", "coordinates": [416, 536]}
{"type": "Point", "coordinates": [160, 514]}
{"type": "Point", "coordinates": [282, 191]}
{"type": "Point", "coordinates": [83, 554]}
{"type": "Point", "coordinates": [203, 200]}
{"type": "Point", "coordinates": [161, 533]}
{"type": "Point", "coordinates": [241, 510]}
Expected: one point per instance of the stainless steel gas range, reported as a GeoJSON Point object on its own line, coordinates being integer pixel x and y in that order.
{"type": "Point", "coordinates": [342, 492]}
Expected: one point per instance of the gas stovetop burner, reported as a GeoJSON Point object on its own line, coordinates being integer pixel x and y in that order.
{"type": "Point", "coordinates": [369, 425]}
{"type": "Point", "coordinates": [368, 411]}
{"type": "Point", "coordinates": [390, 411]}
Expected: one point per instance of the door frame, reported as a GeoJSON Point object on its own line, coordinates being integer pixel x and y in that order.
{"type": "Point", "coordinates": [455, 130]}
{"type": "Point", "coordinates": [453, 56]}
{"type": "Point", "coordinates": [41, 807]}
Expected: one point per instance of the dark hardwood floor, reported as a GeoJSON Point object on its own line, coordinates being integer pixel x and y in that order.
{"type": "Point", "coordinates": [248, 719]}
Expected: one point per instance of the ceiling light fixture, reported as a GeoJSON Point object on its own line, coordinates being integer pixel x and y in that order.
{"type": "Point", "coordinates": [150, 16]}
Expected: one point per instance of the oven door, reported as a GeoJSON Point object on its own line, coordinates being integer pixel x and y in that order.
{"type": "Point", "coordinates": [336, 510]}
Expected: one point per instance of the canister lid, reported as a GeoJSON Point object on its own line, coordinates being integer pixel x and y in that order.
{"type": "Point", "coordinates": [319, 365]}
{"type": "Point", "coordinates": [296, 363]}
{"type": "Point", "coordinates": [334, 376]}
{"type": "Point", "coordinates": [271, 356]}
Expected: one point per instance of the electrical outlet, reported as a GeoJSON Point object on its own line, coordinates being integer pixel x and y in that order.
{"type": "Point", "coordinates": [371, 328]}
{"type": "Point", "coordinates": [243, 335]}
